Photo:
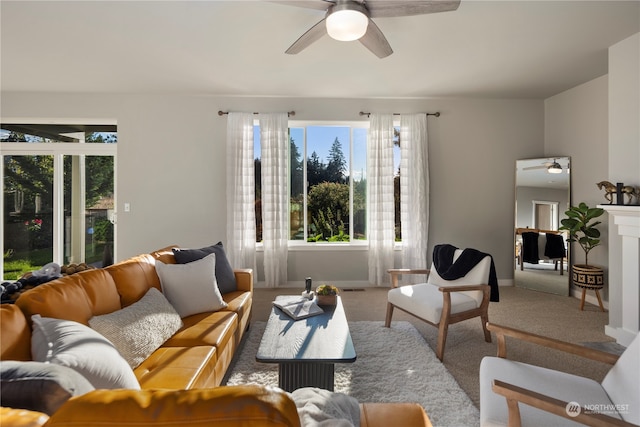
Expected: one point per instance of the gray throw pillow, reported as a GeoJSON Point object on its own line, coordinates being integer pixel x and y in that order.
{"type": "Point", "coordinates": [38, 386]}
{"type": "Point", "coordinates": [224, 272]}
{"type": "Point", "coordinates": [77, 346]}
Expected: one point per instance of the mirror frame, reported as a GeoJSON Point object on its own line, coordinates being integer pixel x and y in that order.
{"type": "Point", "coordinates": [537, 178]}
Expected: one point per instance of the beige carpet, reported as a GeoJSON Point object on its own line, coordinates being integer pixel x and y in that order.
{"type": "Point", "coordinates": [546, 314]}
{"type": "Point", "coordinates": [543, 278]}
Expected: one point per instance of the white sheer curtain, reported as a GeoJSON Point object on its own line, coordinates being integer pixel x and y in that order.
{"type": "Point", "coordinates": [381, 233]}
{"type": "Point", "coordinates": [274, 139]}
{"type": "Point", "coordinates": [414, 191]}
{"type": "Point", "coordinates": [241, 219]}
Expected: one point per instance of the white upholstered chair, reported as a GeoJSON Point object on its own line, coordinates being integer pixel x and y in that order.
{"type": "Point", "coordinates": [518, 394]}
{"type": "Point", "coordinates": [441, 302]}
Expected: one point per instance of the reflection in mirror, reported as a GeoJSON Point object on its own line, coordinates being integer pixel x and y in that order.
{"type": "Point", "coordinates": [542, 196]}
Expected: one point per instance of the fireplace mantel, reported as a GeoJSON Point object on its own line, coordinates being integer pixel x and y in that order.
{"type": "Point", "coordinates": [624, 272]}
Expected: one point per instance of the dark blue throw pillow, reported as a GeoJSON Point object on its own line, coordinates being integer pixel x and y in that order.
{"type": "Point", "coordinates": [224, 273]}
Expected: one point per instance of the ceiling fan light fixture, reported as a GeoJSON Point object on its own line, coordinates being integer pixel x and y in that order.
{"type": "Point", "coordinates": [347, 24]}
{"type": "Point", "coordinates": [555, 168]}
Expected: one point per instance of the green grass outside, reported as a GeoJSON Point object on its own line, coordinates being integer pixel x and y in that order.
{"type": "Point", "coordinates": [20, 263]}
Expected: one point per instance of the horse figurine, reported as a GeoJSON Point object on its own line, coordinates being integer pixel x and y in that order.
{"type": "Point", "coordinates": [610, 189]}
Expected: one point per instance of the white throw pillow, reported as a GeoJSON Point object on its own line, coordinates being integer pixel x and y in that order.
{"type": "Point", "coordinates": [72, 344]}
{"type": "Point", "coordinates": [139, 329]}
{"type": "Point", "coordinates": [191, 288]}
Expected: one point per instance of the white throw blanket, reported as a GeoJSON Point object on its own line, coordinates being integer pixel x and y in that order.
{"type": "Point", "coordinates": [323, 408]}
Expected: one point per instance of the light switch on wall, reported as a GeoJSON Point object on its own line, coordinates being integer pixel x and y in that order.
{"type": "Point", "coordinates": [127, 207]}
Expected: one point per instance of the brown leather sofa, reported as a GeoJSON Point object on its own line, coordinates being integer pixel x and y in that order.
{"type": "Point", "coordinates": [180, 380]}
{"type": "Point", "coordinates": [197, 356]}
{"type": "Point", "coordinates": [226, 406]}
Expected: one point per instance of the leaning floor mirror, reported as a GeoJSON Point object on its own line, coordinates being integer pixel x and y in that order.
{"type": "Point", "coordinates": [542, 195]}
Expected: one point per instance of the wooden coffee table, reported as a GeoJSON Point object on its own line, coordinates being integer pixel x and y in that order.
{"type": "Point", "coordinates": [307, 350]}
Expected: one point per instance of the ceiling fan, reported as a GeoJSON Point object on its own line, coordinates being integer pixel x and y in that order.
{"type": "Point", "coordinates": [348, 20]}
{"type": "Point", "coordinates": [551, 167]}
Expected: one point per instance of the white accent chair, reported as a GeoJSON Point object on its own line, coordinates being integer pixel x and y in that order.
{"type": "Point", "coordinates": [441, 302]}
{"type": "Point", "coordinates": [518, 394]}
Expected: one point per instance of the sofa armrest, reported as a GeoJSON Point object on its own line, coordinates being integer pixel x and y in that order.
{"type": "Point", "coordinates": [220, 406]}
{"type": "Point", "coordinates": [515, 394]}
{"type": "Point", "coordinates": [244, 279]}
{"type": "Point", "coordinates": [586, 352]}
{"type": "Point", "coordinates": [393, 414]}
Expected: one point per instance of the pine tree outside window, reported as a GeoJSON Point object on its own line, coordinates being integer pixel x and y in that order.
{"type": "Point", "coordinates": [327, 186]}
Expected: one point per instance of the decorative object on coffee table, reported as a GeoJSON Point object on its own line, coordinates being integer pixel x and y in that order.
{"type": "Point", "coordinates": [583, 231]}
{"type": "Point", "coordinates": [327, 295]}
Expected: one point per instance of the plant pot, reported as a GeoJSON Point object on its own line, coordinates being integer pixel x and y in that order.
{"type": "Point", "coordinates": [587, 276]}
{"type": "Point", "coordinates": [326, 300]}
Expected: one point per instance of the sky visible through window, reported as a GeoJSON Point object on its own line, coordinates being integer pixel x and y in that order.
{"type": "Point", "coordinates": [320, 139]}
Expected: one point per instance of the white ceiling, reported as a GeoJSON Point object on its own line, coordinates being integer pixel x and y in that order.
{"type": "Point", "coordinates": [533, 173]}
{"type": "Point", "coordinates": [498, 49]}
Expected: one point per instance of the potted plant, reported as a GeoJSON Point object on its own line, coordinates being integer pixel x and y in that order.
{"type": "Point", "coordinates": [327, 295]}
{"type": "Point", "coordinates": [581, 227]}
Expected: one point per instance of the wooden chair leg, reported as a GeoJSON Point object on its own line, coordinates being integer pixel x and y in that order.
{"type": "Point", "coordinates": [599, 300]}
{"type": "Point", "coordinates": [442, 339]}
{"type": "Point", "coordinates": [485, 319]}
{"type": "Point", "coordinates": [584, 293]}
{"type": "Point", "coordinates": [387, 320]}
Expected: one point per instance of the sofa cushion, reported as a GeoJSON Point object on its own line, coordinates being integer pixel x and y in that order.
{"type": "Point", "coordinates": [72, 344]}
{"type": "Point", "coordinates": [179, 368]}
{"type": "Point", "coordinates": [210, 329]}
{"type": "Point", "coordinates": [15, 334]}
{"type": "Point", "coordinates": [77, 297]}
{"type": "Point", "coordinates": [133, 277]}
{"type": "Point", "coordinates": [137, 330]}
{"type": "Point", "coordinates": [37, 386]}
{"type": "Point", "coordinates": [191, 288]}
{"type": "Point", "coordinates": [224, 273]}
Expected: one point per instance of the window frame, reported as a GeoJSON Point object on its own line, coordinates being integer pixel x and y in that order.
{"type": "Point", "coordinates": [353, 244]}
{"type": "Point", "coordinates": [58, 151]}
{"type": "Point", "coordinates": [304, 245]}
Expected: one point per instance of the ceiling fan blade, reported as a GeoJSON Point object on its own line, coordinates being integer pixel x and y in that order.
{"type": "Point", "coordinates": [391, 9]}
{"type": "Point", "coordinates": [309, 4]}
{"type": "Point", "coordinates": [535, 167]}
{"type": "Point", "coordinates": [313, 34]}
{"type": "Point", "coordinates": [375, 41]}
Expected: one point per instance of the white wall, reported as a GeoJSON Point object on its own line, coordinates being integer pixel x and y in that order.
{"type": "Point", "coordinates": [171, 167]}
{"type": "Point", "coordinates": [624, 156]}
{"type": "Point", "coordinates": [598, 125]}
{"type": "Point", "coordinates": [576, 125]}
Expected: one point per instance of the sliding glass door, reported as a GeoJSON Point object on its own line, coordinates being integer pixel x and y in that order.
{"type": "Point", "coordinates": [58, 203]}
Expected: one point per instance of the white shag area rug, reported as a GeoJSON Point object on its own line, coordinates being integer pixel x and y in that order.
{"type": "Point", "coordinates": [393, 365]}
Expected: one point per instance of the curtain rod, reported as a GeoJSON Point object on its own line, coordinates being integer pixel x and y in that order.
{"type": "Point", "coordinates": [436, 114]}
{"type": "Point", "coordinates": [224, 113]}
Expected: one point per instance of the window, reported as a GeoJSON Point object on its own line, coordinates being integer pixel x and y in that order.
{"type": "Point", "coordinates": [327, 186]}
{"type": "Point", "coordinates": [58, 196]}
